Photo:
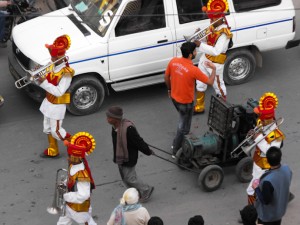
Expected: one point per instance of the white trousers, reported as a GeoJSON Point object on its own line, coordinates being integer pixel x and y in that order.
{"type": "Point", "coordinates": [219, 84]}
{"type": "Point", "coordinates": [79, 217]}
{"type": "Point", "coordinates": [256, 174]}
{"type": "Point", "coordinates": [53, 127]}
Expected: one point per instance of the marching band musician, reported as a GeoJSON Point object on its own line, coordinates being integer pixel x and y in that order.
{"type": "Point", "coordinates": [269, 136]}
{"type": "Point", "coordinates": [80, 185]}
{"type": "Point", "coordinates": [56, 83]}
{"type": "Point", "coordinates": [214, 50]}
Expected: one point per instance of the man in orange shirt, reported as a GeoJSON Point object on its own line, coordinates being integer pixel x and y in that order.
{"type": "Point", "coordinates": [180, 77]}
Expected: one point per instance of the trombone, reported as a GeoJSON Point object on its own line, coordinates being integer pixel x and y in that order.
{"type": "Point", "coordinates": [201, 34]}
{"type": "Point", "coordinates": [59, 204]}
{"type": "Point", "coordinates": [250, 142]}
{"type": "Point", "coordinates": [32, 76]}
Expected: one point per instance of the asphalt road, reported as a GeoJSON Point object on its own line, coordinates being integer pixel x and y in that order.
{"type": "Point", "coordinates": [27, 181]}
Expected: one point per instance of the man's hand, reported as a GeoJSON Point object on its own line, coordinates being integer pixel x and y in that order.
{"type": "Point", "coordinates": [197, 42]}
{"type": "Point", "coordinates": [210, 65]}
{"type": "Point", "coordinates": [255, 183]}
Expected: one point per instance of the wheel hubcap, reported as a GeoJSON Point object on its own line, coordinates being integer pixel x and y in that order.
{"type": "Point", "coordinates": [212, 179]}
{"type": "Point", "coordinates": [239, 68]}
{"type": "Point", "coordinates": [85, 97]}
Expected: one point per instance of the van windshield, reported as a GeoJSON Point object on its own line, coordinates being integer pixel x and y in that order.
{"type": "Point", "coordinates": [97, 14]}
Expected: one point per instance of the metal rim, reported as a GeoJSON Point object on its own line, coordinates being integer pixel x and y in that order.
{"type": "Point", "coordinates": [212, 178]}
{"type": "Point", "coordinates": [85, 97]}
{"type": "Point", "coordinates": [239, 68]}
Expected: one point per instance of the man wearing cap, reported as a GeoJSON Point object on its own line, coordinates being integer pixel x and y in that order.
{"type": "Point", "coordinates": [180, 77]}
{"type": "Point", "coordinates": [80, 184]}
{"type": "Point", "coordinates": [214, 50]}
{"type": "Point", "coordinates": [126, 146]}
{"type": "Point", "coordinates": [270, 135]}
{"type": "Point", "coordinates": [56, 83]}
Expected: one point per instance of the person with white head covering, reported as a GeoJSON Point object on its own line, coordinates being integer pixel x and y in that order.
{"type": "Point", "coordinates": [129, 211]}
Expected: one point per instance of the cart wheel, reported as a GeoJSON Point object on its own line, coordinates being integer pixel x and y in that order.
{"type": "Point", "coordinates": [211, 177]}
{"type": "Point", "coordinates": [243, 169]}
{"type": "Point", "coordinates": [182, 160]}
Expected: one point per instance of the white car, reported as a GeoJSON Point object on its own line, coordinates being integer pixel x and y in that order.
{"type": "Point", "coordinates": [125, 44]}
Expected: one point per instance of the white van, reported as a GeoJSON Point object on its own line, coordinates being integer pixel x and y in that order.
{"type": "Point", "coordinates": [125, 44]}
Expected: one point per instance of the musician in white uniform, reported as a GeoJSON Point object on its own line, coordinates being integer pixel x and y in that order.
{"type": "Point", "coordinates": [56, 83]}
{"type": "Point", "coordinates": [270, 136]}
{"type": "Point", "coordinates": [80, 185]}
{"type": "Point", "coordinates": [214, 49]}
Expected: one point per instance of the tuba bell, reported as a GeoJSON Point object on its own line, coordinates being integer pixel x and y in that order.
{"type": "Point", "coordinates": [250, 141]}
{"type": "Point", "coordinates": [59, 205]}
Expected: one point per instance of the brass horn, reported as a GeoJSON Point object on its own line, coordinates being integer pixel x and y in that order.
{"type": "Point", "coordinates": [201, 34]}
{"type": "Point", "coordinates": [58, 204]}
{"type": "Point", "coordinates": [250, 142]}
{"type": "Point", "coordinates": [33, 76]}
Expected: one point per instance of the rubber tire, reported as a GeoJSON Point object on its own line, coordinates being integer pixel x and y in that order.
{"type": "Point", "coordinates": [84, 81]}
{"type": "Point", "coordinates": [206, 173]}
{"type": "Point", "coordinates": [236, 55]}
{"type": "Point", "coordinates": [245, 164]}
{"type": "Point", "coordinates": [179, 160]}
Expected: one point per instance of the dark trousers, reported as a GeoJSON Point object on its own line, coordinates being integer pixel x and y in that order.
{"type": "Point", "coordinates": [130, 179]}
{"type": "Point", "coordinates": [184, 124]}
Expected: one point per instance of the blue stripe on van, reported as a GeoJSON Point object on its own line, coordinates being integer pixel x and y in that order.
{"type": "Point", "coordinates": [171, 43]}
{"type": "Point", "coordinates": [260, 25]}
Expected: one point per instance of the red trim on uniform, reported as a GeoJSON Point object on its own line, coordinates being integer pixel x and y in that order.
{"type": "Point", "coordinates": [57, 130]}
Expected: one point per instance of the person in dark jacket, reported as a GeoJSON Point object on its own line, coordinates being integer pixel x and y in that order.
{"type": "Point", "coordinates": [272, 190]}
{"type": "Point", "coordinates": [126, 146]}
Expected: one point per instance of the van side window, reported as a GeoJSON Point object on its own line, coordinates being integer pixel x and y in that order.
{"type": "Point", "coordinates": [189, 11]}
{"type": "Point", "coordinates": [246, 5]}
{"type": "Point", "coordinates": [141, 15]}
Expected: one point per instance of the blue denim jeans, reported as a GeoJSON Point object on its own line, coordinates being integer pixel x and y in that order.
{"type": "Point", "coordinates": [184, 124]}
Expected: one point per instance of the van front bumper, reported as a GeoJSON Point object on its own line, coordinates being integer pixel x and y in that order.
{"type": "Point", "coordinates": [16, 71]}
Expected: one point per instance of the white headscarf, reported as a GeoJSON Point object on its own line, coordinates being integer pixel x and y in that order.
{"type": "Point", "coordinates": [130, 196]}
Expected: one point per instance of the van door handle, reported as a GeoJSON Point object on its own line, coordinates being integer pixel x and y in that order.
{"type": "Point", "coordinates": [162, 41]}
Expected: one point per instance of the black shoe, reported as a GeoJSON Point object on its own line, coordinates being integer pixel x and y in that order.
{"type": "Point", "coordinates": [147, 196]}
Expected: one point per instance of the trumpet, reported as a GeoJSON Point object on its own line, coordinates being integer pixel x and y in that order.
{"type": "Point", "coordinates": [201, 34]}
{"type": "Point", "coordinates": [33, 76]}
{"type": "Point", "coordinates": [59, 204]}
{"type": "Point", "coordinates": [250, 142]}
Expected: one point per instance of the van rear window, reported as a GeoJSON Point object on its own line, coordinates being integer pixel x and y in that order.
{"type": "Point", "coordinates": [247, 5]}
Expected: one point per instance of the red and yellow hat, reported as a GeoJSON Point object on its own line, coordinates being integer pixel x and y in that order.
{"type": "Point", "coordinates": [216, 9]}
{"type": "Point", "coordinates": [267, 105]}
{"type": "Point", "coordinates": [59, 46]}
{"type": "Point", "coordinates": [81, 144]}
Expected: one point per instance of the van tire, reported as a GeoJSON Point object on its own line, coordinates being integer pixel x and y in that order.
{"type": "Point", "coordinates": [239, 66]}
{"type": "Point", "coordinates": [87, 95]}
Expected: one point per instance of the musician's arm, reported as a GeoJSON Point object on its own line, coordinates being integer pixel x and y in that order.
{"type": "Point", "coordinates": [221, 46]}
{"type": "Point", "coordinates": [60, 89]}
{"type": "Point", "coordinates": [82, 193]}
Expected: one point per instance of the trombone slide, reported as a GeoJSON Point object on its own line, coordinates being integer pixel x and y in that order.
{"type": "Point", "coordinates": [33, 76]}
{"type": "Point", "coordinates": [201, 34]}
{"type": "Point", "coordinates": [250, 142]}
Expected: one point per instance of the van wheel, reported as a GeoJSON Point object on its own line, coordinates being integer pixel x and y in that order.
{"type": "Point", "coordinates": [87, 95]}
{"type": "Point", "coordinates": [239, 67]}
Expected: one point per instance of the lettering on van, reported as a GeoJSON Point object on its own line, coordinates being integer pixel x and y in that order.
{"type": "Point", "coordinates": [106, 18]}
